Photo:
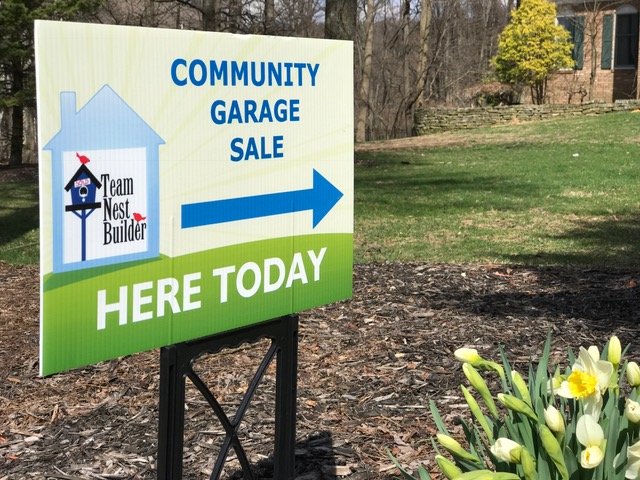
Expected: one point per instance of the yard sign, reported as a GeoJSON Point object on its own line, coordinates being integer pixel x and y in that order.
{"type": "Point", "coordinates": [191, 183]}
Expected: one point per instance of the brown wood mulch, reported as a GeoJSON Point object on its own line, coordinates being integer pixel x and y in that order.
{"type": "Point", "coordinates": [367, 369]}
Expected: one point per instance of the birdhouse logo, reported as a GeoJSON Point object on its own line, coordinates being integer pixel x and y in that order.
{"type": "Point", "coordinates": [83, 186]}
{"type": "Point", "coordinates": [105, 184]}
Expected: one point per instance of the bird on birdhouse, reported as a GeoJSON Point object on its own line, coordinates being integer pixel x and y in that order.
{"type": "Point", "coordinates": [83, 158]}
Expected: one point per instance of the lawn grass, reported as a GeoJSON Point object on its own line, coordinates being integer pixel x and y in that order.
{"type": "Point", "coordinates": [548, 193]}
{"type": "Point", "coordinates": [19, 222]}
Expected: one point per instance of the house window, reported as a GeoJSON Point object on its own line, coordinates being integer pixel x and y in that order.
{"type": "Point", "coordinates": [575, 26]}
{"type": "Point", "coordinates": [626, 49]}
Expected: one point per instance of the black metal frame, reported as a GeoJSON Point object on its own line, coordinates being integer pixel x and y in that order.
{"type": "Point", "coordinates": [176, 366]}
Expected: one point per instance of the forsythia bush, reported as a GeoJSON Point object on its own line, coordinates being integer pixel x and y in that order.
{"type": "Point", "coordinates": [581, 423]}
{"type": "Point", "coordinates": [531, 47]}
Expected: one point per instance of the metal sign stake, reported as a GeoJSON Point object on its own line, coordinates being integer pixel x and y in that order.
{"type": "Point", "coordinates": [176, 366]}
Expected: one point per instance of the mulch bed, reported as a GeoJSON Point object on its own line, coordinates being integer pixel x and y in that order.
{"type": "Point", "coordinates": [367, 370]}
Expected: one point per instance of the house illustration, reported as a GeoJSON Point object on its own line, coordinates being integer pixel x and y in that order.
{"type": "Point", "coordinates": [605, 38]}
{"type": "Point", "coordinates": [122, 185]}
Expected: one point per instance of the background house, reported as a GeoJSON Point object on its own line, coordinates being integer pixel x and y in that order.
{"type": "Point", "coordinates": [605, 37]}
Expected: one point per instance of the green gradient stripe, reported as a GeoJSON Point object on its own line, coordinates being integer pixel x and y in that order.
{"type": "Point", "coordinates": [71, 338]}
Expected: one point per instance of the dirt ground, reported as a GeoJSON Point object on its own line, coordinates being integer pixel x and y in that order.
{"type": "Point", "coordinates": [367, 370]}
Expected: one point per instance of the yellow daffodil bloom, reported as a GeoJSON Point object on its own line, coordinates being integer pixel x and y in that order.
{"type": "Point", "coordinates": [468, 355]}
{"type": "Point", "coordinates": [588, 380]}
{"type": "Point", "coordinates": [554, 420]}
{"type": "Point", "coordinates": [633, 374]}
{"type": "Point", "coordinates": [614, 351]}
{"type": "Point", "coordinates": [591, 436]}
{"type": "Point", "coordinates": [633, 462]}
{"type": "Point", "coordinates": [632, 411]}
{"type": "Point", "coordinates": [506, 450]}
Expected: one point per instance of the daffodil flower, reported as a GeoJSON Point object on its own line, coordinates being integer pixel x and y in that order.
{"type": "Point", "coordinates": [633, 374]}
{"type": "Point", "coordinates": [614, 350]}
{"type": "Point", "coordinates": [632, 411]}
{"type": "Point", "coordinates": [588, 380]}
{"type": "Point", "coordinates": [554, 420]}
{"type": "Point", "coordinates": [633, 462]}
{"type": "Point", "coordinates": [506, 450]}
{"type": "Point", "coordinates": [590, 436]}
{"type": "Point", "coordinates": [468, 355]}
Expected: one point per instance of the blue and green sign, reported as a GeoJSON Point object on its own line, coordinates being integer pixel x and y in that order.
{"type": "Point", "coordinates": [191, 183]}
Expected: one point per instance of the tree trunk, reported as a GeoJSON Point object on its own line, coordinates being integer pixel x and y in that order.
{"type": "Point", "coordinates": [425, 24]}
{"type": "Point", "coordinates": [363, 110]}
{"type": "Point", "coordinates": [235, 15]}
{"type": "Point", "coordinates": [211, 15]}
{"type": "Point", "coordinates": [17, 116]}
{"type": "Point", "coordinates": [269, 17]}
{"type": "Point", "coordinates": [406, 89]}
{"type": "Point", "coordinates": [340, 19]}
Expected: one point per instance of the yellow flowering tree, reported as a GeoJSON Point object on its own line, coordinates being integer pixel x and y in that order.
{"type": "Point", "coordinates": [532, 46]}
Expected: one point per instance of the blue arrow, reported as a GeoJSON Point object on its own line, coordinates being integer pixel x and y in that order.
{"type": "Point", "coordinates": [321, 199]}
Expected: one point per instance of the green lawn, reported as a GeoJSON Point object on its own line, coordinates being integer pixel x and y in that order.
{"type": "Point", "coordinates": [18, 222]}
{"type": "Point", "coordinates": [559, 192]}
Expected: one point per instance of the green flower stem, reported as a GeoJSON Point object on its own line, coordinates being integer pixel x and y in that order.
{"type": "Point", "coordinates": [477, 382]}
{"type": "Point", "coordinates": [477, 413]}
{"type": "Point", "coordinates": [489, 365]}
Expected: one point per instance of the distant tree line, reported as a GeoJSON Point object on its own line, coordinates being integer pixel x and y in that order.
{"type": "Point", "coordinates": [407, 53]}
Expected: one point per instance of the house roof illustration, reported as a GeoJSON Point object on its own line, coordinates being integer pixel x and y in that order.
{"type": "Point", "coordinates": [82, 170]}
{"type": "Point", "coordinates": [106, 121]}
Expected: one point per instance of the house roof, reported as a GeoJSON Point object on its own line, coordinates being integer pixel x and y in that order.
{"type": "Point", "coordinates": [83, 169]}
{"type": "Point", "coordinates": [106, 121]}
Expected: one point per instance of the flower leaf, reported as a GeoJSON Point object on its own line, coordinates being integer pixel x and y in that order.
{"type": "Point", "coordinates": [435, 413]}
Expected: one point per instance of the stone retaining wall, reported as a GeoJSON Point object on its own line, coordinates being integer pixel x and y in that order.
{"type": "Point", "coordinates": [432, 120]}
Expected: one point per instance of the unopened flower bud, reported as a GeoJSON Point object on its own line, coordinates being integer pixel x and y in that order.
{"type": "Point", "coordinates": [633, 374]}
{"type": "Point", "coordinates": [528, 465]}
{"type": "Point", "coordinates": [454, 446]}
{"type": "Point", "coordinates": [521, 386]}
{"type": "Point", "coordinates": [614, 351]}
{"type": "Point", "coordinates": [554, 420]}
{"type": "Point", "coordinates": [554, 450]}
{"type": "Point", "coordinates": [632, 411]}
{"type": "Point", "coordinates": [517, 405]}
{"type": "Point", "coordinates": [468, 355]}
{"type": "Point", "coordinates": [448, 468]}
{"type": "Point", "coordinates": [476, 380]}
